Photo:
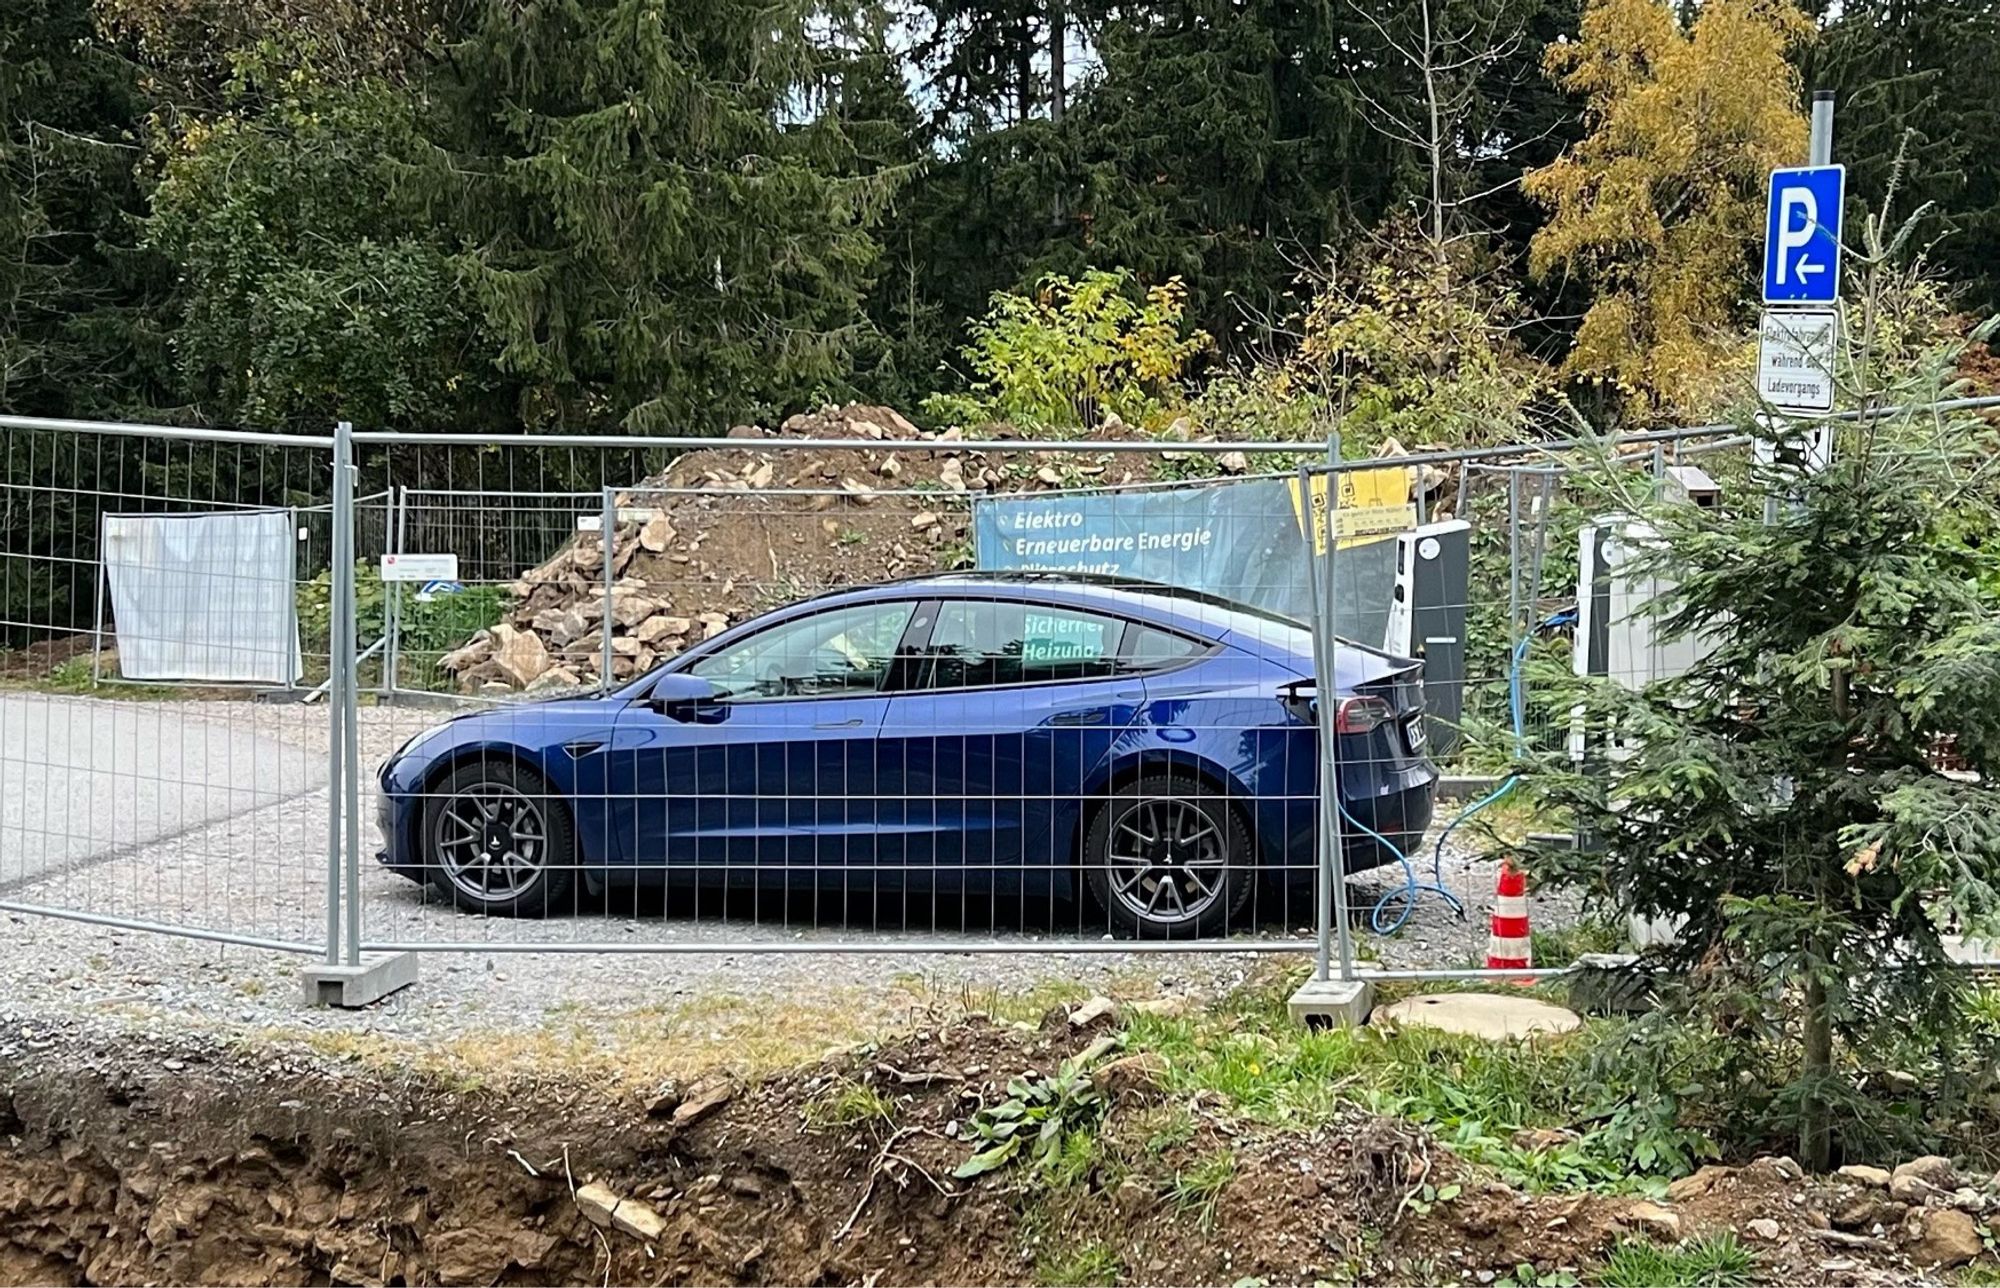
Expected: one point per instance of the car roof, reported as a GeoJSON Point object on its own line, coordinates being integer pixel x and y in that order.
{"type": "Point", "coordinates": [1194, 611]}
{"type": "Point", "coordinates": [1261, 632]}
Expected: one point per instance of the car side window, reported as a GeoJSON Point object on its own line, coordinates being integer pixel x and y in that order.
{"type": "Point", "coordinates": [976, 644]}
{"type": "Point", "coordinates": [845, 651]}
{"type": "Point", "coordinates": [1148, 648]}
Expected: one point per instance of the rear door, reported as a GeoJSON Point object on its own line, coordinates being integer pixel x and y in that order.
{"type": "Point", "coordinates": [1010, 708]}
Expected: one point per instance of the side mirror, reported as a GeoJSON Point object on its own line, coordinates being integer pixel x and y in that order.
{"type": "Point", "coordinates": [681, 696]}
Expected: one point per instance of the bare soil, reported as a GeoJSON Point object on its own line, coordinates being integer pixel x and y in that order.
{"type": "Point", "coordinates": [262, 1167]}
{"type": "Point", "coordinates": [727, 532]}
{"type": "Point", "coordinates": [36, 660]}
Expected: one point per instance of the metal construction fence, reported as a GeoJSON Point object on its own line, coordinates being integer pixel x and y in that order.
{"type": "Point", "coordinates": [373, 692]}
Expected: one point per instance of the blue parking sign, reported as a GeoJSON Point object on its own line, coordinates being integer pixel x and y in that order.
{"type": "Point", "coordinates": [1802, 235]}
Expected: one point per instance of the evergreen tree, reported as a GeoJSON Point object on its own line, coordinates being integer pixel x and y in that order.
{"type": "Point", "coordinates": [1221, 142]}
{"type": "Point", "coordinates": [1909, 80]}
{"type": "Point", "coordinates": [314, 282]}
{"type": "Point", "coordinates": [1779, 800]}
{"type": "Point", "coordinates": [78, 323]}
{"type": "Point", "coordinates": [654, 239]}
{"type": "Point", "coordinates": [1227, 142]}
{"type": "Point", "coordinates": [593, 214]}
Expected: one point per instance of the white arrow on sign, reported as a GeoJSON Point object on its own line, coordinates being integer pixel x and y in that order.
{"type": "Point", "coordinates": [1806, 268]}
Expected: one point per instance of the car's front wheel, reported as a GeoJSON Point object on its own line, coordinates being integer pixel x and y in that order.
{"type": "Point", "coordinates": [498, 842]}
{"type": "Point", "coordinates": [1166, 857]}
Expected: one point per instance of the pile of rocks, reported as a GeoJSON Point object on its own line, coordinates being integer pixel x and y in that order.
{"type": "Point", "coordinates": [1923, 1207]}
{"type": "Point", "coordinates": [730, 531]}
{"type": "Point", "coordinates": [1923, 1210]}
{"type": "Point", "coordinates": [554, 639]}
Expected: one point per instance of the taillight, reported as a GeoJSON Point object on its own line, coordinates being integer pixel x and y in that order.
{"type": "Point", "coordinates": [1361, 715]}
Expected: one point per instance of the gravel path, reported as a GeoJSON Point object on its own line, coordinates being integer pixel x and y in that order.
{"type": "Point", "coordinates": [168, 844]}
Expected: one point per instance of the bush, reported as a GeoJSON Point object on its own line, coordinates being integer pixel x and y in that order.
{"type": "Point", "coordinates": [430, 627]}
{"type": "Point", "coordinates": [1419, 346]}
{"type": "Point", "coordinates": [1075, 352]}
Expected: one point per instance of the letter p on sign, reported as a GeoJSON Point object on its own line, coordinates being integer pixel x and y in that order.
{"type": "Point", "coordinates": [1798, 220]}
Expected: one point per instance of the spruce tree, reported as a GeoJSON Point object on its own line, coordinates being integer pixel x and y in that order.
{"type": "Point", "coordinates": [658, 233]}
{"type": "Point", "coordinates": [1782, 799]}
{"type": "Point", "coordinates": [79, 330]}
{"type": "Point", "coordinates": [1909, 79]}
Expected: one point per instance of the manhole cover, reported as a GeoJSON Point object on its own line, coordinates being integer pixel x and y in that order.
{"type": "Point", "coordinates": [1495, 1016]}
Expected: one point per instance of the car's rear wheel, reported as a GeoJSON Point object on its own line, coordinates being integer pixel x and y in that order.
{"type": "Point", "coordinates": [1166, 858]}
{"type": "Point", "coordinates": [498, 842]}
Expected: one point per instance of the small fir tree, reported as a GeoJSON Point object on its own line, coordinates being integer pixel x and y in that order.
{"type": "Point", "coordinates": [1783, 798]}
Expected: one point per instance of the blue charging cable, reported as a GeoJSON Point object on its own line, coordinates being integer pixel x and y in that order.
{"type": "Point", "coordinates": [1517, 711]}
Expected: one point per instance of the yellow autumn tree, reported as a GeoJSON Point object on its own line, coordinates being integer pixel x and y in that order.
{"type": "Point", "coordinates": [1659, 208]}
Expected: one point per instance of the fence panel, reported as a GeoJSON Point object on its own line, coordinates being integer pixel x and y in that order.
{"type": "Point", "coordinates": [158, 767]}
{"type": "Point", "coordinates": [1516, 564]}
{"type": "Point", "coordinates": [920, 765]}
{"type": "Point", "coordinates": [937, 737]}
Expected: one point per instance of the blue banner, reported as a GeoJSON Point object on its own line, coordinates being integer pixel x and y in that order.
{"type": "Point", "coordinates": [1240, 539]}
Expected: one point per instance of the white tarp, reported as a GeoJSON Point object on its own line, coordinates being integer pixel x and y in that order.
{"type": "Point", "coordinates": [204, 596]}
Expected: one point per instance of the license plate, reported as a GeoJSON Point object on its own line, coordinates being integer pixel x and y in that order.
{"type": "Point", "coordinates": [1415, 731]}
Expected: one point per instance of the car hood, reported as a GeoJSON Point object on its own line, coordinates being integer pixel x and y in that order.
{"type": "Point", "coordinates": [583, 706]}
{"type": "Point", "coordinates": [504, 719]}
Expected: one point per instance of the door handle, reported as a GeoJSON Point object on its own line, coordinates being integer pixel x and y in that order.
{"type": "Point", "coordinates": [855, 723]}
{"type": "Point", "coordinates": [1077, 718]}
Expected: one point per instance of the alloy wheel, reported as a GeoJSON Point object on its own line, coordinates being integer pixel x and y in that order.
{"type": "Point", "coordinates": [492, 842]}
{"type": "Point", "coordinates": [1167, 860]}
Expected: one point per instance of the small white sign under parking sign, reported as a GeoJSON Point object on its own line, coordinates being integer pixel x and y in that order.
{"type": "Point", "coordinates": [1795, 353]}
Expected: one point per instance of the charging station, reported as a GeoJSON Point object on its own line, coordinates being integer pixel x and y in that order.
{"type": "Point", "coordinates": [1427, 620]}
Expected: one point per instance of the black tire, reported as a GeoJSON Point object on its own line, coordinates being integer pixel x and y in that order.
{"type": "Point", "coordinates": [523, 861]}
{"type": "Point", "coordinates": [1199, 874]}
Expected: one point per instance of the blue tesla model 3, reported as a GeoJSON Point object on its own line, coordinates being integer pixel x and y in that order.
{"type": "Point", "coordinates": [970, 734]}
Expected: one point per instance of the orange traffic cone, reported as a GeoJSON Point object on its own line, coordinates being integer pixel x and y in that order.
{"type": "Point", "coordinates": [1507, 945]}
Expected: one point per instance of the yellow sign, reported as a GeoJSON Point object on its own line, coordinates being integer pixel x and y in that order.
{"type": "Point", "coordinates": [1373, 504]}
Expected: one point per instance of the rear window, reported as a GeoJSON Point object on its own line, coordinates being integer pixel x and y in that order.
{"type": "Point", "coordinates": [976, 644]}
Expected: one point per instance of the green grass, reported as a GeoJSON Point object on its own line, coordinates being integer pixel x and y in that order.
{"type": "Point", "coordinates": [1475, 1095]}
{"type": "Point", "coordinates": [1980, 1274]}
{"type": "Point", "coordinates": [1707, 1261]}
{"type": "Point", "coordinates": [1080, 1266]}
{"type": "Point", "coordinates": [1164, 1127]}
{"type": "Point", "coordinates": [73, 678]}
{"type": "Point", "coordinates": [1199, 1188]}
{"type": "Point", "coordinates": [1562, 946]}
{"type": "Point", "coordinates": [846, 1106]}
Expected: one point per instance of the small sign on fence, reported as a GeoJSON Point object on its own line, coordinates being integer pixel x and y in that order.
{"type": "Point", "coordinates": [419, 567]}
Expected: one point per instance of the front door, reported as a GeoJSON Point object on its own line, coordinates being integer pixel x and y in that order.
{"type": "Point", "coordinates": [779, 775]}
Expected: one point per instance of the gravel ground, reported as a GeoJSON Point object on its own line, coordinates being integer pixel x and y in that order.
{"type": "Point", "coordinates": [251, 861]}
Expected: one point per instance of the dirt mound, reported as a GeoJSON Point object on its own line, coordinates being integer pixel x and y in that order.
{"type": "Point", "coordinates": [729, 531]}
{"type": "Point", "coordinates": [259, 1168]}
